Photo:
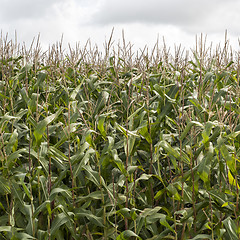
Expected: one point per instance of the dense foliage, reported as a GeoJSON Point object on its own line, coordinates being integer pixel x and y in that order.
{"type": "Point", "coordinates": [120, 146]}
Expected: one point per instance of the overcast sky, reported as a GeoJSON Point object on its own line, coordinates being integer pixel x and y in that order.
{"type": "Point", "coordinates": [143, 21]}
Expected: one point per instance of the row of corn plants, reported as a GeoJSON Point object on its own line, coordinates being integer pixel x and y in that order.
{"type": "Point", "coordinates": [120, 145]}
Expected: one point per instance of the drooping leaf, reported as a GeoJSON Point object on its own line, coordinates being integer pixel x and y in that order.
{"type": "Point", "coordinates": [232, 180]}
{"type": "Point", "coordinates": [145, 133]}
{"type": "Point", "coordinates": [83, 162]}
{"type": "Point", "coordinates": [229, 159]}
{"type": "Point", "coordinates": [41, 208]}
{"type": "Point", "coordinates": [56, 191]}
{"type": "Point", "coordinates": [58, 221]}
{"type": "Point", "coordinates": [126, 235]}
{"type": "Point", "coordinates": [201, 236]}
{"type": "Point", "coordinates": [205, 165]}
{"type": "Point", "coordinates": [39, 131]}
{"type": "Point", "coordinates": [231, 228]}
{"type": "Point", "coordinates": [188, 127]}
{"type": "Point", "coordinates": [101, 102]}
{"type": "Point", "coordinates": [97, 221]}
{"type": "Point", "coordinates": [164, 222]}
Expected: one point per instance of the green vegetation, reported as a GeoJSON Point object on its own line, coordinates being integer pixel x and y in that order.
{"type": "Point", "coordinates": [119, 145]}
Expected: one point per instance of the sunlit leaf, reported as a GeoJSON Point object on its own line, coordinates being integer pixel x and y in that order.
{"type": "Point", "coordinates": [126, 235]}
{"type": "Point", "coordinates": [231, 228]}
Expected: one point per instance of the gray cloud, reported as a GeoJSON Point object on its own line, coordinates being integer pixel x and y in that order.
{"type": "Point", "coordinates": [189, 15]}
{"type": "Point", "coordinates": [13, 10]}
{"type": "Point", "coordinates": [142, 20]}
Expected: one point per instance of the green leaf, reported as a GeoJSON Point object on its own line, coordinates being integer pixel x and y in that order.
{"type": "Point", "coordinates": [16, 235]}
{"type": "Point", "coordinates": [143, 176]}
{"type": "Point", "coordinates": [118, 161]}
{"type": "Point", "coordinates": [97, 221]}
{"type": "Point", "coordinates": [231, 228]}
{"type": "Point", "coordinates": [40, 79]}
{"type": "Point", "coordinates": [15, 156]}
{"type": "Point", "coordinates": [58, 221]}
{"type": "Point", "coordinates": [59, 157]}
{"type": "Point", "coordinates": [56, 191]}
{"type": "Point", "coordinates": [97, 195]}
{"type": "Point", "coordinates": [133, 115]}
{"type": "Point", "coordinates": [75, 92]}
{"type": "Point", "coordinates": [26, 190]}
{"type": "Point", "coordinates": [233, 135]}
{"type": "Point", "coordinates": [93, 175]}
{"type": "Point", "coordinates": [5, 228]}
{"type": "Point", "coordinates": [6, 118]}
{"type": "Point", "coordinates": [39, 131]}
{"type": "Point", "coordinates": [164, 222]}
{"type": "Point", "coordinates": [150, 211]}
{"type": "Point", "coordinates": [129, 145]}
{"type": "Point", "coordinates": [42, 207]}
{"type": "Point", "coordinates": [167, 147]}
{"type": "Point", "coordinates": [101, 125]}
{"type": "Point", "coordinates": [229, 159]}
{"type": "Point", "coordinates": [145, 133]}
{"type": "Point", "coordinates": [80, 153]}
{"type": "Point", "coordinates": [159, 193]}
{"type": "Point", "coordinates": [232, 180]}
{"type": "Point", "coordinates": [17, 193]}
{"type": "Point", "coordinates": [3, 96]}
{"type": "Point", "coordinates": [126, 235]}
{"type": "Point", "coordinates": [83, 162]}
{"type": "Point", "coordinates": [171, 188]}
{"type": "Point", "coordinates": [124, 212]}
{"type": "Point", "coordinates": [125, 131]}
{"type": "Point", "coordinates": [13, 142]}
{"type": "Point", "coordinates": [196, 103]}
{"type": "Point", "coordinates": [24, 94]}
{"type": "Point", "coordinates": [101, 102]}
{"type": "Point", "coordinates": [172, 95]}
{"type": "Point", "coordinates": [201, 236]}
{"type": "Point", "coordinates": [188, 128]}
{"type": "Point", "coordinates": [24, 236]}
{"type": "Point", "coordinates": [205, 164]}
{"type": "Point", "coordinates": [206, 132]}
{"type": "Point", "coordinates": [219, 197]}
{"type": "Point", "coordinates": [4, 185]}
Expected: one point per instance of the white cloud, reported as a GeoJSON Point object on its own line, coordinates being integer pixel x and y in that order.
{"type": "Point", "coordinates": [142, 21]}
{"type": "Point", "coordinates": [189, 15]}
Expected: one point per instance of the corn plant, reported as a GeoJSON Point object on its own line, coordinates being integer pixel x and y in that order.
{"type": "Point", "coordinates": [119, 145]}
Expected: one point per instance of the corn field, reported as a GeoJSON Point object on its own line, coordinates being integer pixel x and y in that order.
{"type": "Point", "coordinates": [119, 144]}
